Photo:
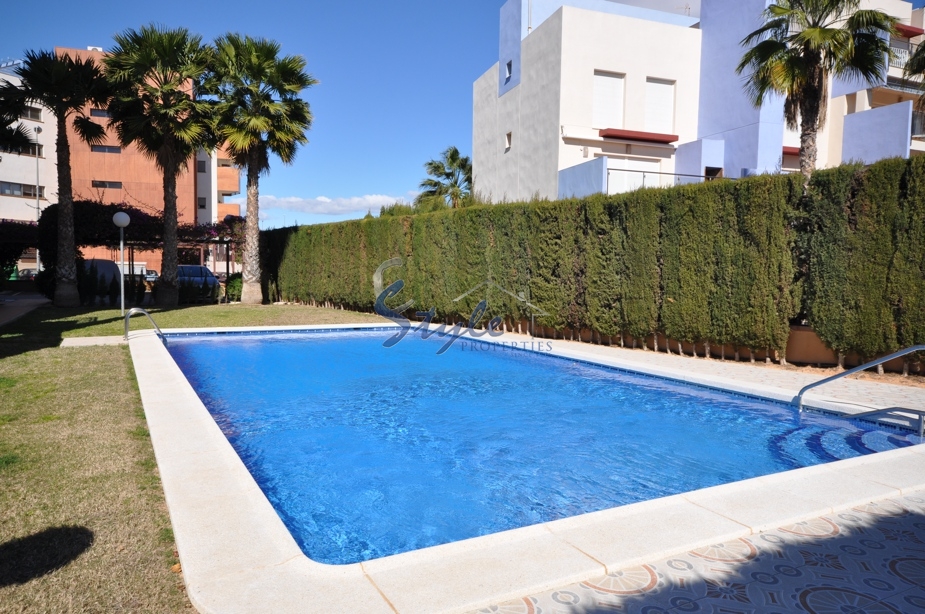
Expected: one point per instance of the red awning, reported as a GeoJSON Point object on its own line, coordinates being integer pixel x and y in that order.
{"type": "Point", "coordinates": [791, 151]}
{"type": "Point", "coordinates": [909, 31]}
{"type": "Point", "coordinates": [635, 135]}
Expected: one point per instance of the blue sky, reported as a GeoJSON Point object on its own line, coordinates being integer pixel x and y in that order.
{"type": "Point", "coordinates": [395, 83]}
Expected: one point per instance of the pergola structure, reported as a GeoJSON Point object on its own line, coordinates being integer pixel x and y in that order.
{"type": "Point", "coordinates": [93, 227]}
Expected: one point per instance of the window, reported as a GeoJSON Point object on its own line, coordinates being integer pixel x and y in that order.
{"type": "Point", "coordinates": [31, 150]}
{"type": "Point", "coordinates": [18, 189]}
{"type": "Point", "coordinates": [508, 140]}
{"type": "Point", "coordinates": [201, 201]}
{"type": "Point", "coordinates": [200, 166]}
{"type": "Point", "coordinates": [99, 113]}
{"type": "Point", "coordinates": [33, 113]}
{"type": "Point", "coordinates": [105, 149]}
{"type": "Point", "coordinates": [659, 106]}
{"type": "Point", "coordinates": [111, 185]}
{"type": "Point", "coordinates": [607, 100]}
{"type": "Point", "coordinates": [508, 71]}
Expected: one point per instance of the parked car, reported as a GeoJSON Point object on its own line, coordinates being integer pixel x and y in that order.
{"type": "Point", "coordinates": [27, 274]}
{"type": "Point", "coordinates": [151, 275]}
{"type": "Point", "coordinates": [107, 269]}
{"type": "Point", "coordinates": [197, 283]}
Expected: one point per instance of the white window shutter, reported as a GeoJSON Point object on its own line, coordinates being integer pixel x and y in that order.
{"type": "Point", "coordinates": [659, 106]}
{"type": "Point", "coordinates": [608, 101]}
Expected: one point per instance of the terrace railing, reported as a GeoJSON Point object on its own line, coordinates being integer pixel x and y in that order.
{"type": "Point", "coordinates": [626, 180]}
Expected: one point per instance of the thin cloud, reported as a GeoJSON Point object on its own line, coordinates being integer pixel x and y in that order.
{"type": "Point", "coordinates": [322, 205]}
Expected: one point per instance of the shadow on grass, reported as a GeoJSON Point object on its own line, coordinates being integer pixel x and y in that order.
{"type": "Point", "coordinates": [45, 327]}
{"type": "Point", "coordinates": [27, 558]}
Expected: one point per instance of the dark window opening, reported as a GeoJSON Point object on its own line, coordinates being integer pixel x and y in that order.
{"type": "Point", "coordinates": [110, 185]}
{"type": "Point", "coordinates": [111, 149]}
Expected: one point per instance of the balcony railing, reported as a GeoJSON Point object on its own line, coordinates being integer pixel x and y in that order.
{"type": "Point", "coordinates": [625, 180]}
{"type": "Point", "coordinates": [900, 57]}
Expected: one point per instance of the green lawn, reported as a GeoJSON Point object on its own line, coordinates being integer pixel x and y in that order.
{"type": "Point", "coordinates": [83, 523]}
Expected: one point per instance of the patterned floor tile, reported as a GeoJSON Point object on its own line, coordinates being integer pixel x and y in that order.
{"type": "Point", "coordinates": [869, 559]}
{"type": "Point", "coordinates": [912, 600]}
{"type": "Point", "coordinates": [840, 600]}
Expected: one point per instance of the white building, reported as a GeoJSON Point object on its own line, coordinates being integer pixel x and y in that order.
{"type": "Point", "coordinates": [609, 95]}
{"type": "Point", "coordinates": [20, 173]}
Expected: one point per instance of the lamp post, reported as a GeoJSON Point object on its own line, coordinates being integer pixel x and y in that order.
{"type": "Point", "coordinates": [38, 205]}
{"type": "Point", "coordinates": [121, 219]}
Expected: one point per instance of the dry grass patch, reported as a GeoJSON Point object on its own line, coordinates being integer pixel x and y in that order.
{"type": "Point", "coordinates": [83, 522]}
{"type": "Point", "coordinates": [84, 526]}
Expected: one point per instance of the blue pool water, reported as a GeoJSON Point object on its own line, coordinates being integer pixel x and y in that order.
{"type": "Point", "coordinates": [366, 451]}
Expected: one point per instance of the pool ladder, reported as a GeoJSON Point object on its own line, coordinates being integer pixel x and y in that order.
{"type": "Point", "coordinates": [798, 400]}
{"type": "Point", "coordinates": [136, 310]}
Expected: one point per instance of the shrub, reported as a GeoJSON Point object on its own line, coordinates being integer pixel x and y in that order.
{"type": "Point", "coordinates": [725, 262]}
{"type": "Point", "coordinates": [233, 287]}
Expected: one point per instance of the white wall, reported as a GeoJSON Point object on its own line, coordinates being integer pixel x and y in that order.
{"type": "Point", "coordinates": [880, 133]}
{"type": "Point", "coordinates": [207, 187]}
{"type": "Point", "coordinates": [550, 112]}
{"type": "Point", "coordinates": [530, 112]}
{"type": "Point", "coordinates": [642, 49]}
{"type": "Point", "coordinates": [21, 169]}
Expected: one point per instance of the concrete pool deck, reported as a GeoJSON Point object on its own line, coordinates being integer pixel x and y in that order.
{"type": "Point", "coordinates": [238, 556]}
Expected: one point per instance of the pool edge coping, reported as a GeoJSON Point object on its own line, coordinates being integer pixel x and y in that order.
{"type": "Point", "coordinates": [249, 559]}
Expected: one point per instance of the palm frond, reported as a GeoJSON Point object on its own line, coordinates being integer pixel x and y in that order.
{"type": "Point", "coordinates": [88, 130]}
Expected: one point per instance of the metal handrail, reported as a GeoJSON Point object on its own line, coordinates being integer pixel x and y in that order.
{"type": "Point", "coordinates": [798, 400]}
{"type": "Point", "coordinates": [135, 310]}
{"type": "Point", "coordinates": [888, 410]}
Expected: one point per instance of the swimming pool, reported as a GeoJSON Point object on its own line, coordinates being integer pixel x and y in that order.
{"type": "Point", "coordinates": [366, 452]}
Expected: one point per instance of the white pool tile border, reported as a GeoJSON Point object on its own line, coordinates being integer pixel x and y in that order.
{"type": "Point", "coordinates": [238, 556]}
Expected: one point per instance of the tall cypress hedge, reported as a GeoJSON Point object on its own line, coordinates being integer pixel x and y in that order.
{"type": "Point", "coordinates": [726, 262]}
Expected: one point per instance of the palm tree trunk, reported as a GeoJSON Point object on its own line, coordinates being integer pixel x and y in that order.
{"type": "Point", "coordinates": [812, 106]}
{"type": "Point", "coordinates": [66, 294]}
{"type": "Point", "coordinates": [808, 152]}
{"type": "Point", "coordinates": [251, 293]}
{"type": "Point", "coordinates": [167, 292]}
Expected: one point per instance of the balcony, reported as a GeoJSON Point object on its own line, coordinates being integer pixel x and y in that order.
{"type": "Point", "coordinates": [229, 180]}
{"type": "Point", "coordinates": [900, 57]}
{"type": "Point", "coordinates": [628, 180]}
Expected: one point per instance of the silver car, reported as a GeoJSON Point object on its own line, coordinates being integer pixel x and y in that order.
{"type": "Point", "coordinates": [191, 276]}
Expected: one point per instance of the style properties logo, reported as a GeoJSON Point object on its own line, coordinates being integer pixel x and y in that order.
{"type": "Point", "coordinates": [456, 331]}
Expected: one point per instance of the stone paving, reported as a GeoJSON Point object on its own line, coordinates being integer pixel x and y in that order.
{"type": "Point", "coordinates": [14, 305]}
{"type": "Point", "coordinates": [848, 390]}
{"type": "Point", "coordinates": [868, 559]}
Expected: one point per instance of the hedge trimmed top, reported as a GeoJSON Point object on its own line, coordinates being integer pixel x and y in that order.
{"type": "Point", "coordinates": [723, 262]}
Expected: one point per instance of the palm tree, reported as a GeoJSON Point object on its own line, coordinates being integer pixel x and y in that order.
{"type": "Point", "coordinates": [915, 71]}
{"type": "Point", "coordinates": [800, 46]}
{"type": "Point", "coordinates": [258, 112]}
{"type": "Point", "coordinates": [13, 138]}
{"type": "Point", "coordinates": [450, 179]}
{"type": "Point", "coordinates": [155, 71]}
{"type": "Point", "coordinates": [65, 86]}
